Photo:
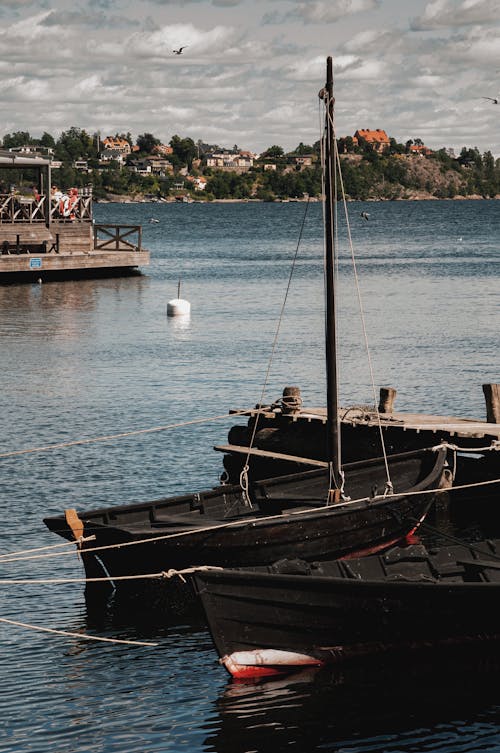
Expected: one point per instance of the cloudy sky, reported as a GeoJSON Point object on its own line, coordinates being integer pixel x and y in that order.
{"type": "Point", "coordinates": [252, 69]}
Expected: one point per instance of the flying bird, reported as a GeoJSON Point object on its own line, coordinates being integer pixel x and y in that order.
{"type": "Point", "coordinates": [365, 215]}
{"type": "Point", "coordinates": [495, 100]}
{"type": "Point", "coordinates": [179, 51]}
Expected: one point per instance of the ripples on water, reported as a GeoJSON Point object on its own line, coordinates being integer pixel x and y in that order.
{"type": "Point", "coordinates": [83, 359]}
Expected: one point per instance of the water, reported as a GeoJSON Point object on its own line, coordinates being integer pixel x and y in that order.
{"type": "Point", "coordinates": [92, 358]}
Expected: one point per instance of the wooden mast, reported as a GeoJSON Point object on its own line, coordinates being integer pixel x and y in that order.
{"type": "Point", "coordinates": [333, 429]}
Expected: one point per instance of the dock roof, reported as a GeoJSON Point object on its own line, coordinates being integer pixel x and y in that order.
{"type": "Point", "coordinates": [11, 159]}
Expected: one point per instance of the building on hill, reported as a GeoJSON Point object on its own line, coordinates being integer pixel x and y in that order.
{"type": "Point", "coordinates": [163, 150]}
{"type": "Point", "coordinates": [378, 139]}
{"type": "Point", "coordinates": [115, 144]}
{"type": "Point", "coordinates": [303, 160]}
{"type": "Point", "coordinates": [231, 161]}
{"type": "Point", "coordinates": [420, 149]}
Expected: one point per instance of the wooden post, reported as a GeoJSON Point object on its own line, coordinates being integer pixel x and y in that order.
{"type": "Point", "coordinates": [291, 401]}
{"type": "Point", "coordinates": [492, 397]}
{"type": "Point", "coordinates": [387, 398]}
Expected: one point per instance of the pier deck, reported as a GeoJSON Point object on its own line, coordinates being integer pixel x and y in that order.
{"type": "Point", "coordinates": [448, 427]}
{"type": "Point", "coordinates": [49, 235]}
{"type": "Point", "coordinates": [283, 440]}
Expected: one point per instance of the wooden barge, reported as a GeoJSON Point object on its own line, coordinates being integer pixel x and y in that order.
{"type": "Point", "coordinates": [49, 235]}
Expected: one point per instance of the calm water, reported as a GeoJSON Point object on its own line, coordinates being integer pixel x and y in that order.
{"type": "Point", "coordinates": [91, 358]}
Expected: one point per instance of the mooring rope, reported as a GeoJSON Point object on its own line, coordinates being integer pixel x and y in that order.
{"type": "Point", "coordinates": [163, 575]}
{"type": "Point", "coordinates": [493, 447]}
{"type": "Point", "coordinates": [132, 433]}
{"type": "Point", "coordinates": [81, 540]}
{"type": "Point", "coordinates": [69, 634]}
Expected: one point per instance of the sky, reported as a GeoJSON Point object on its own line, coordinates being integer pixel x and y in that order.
{"type": "Point", "coordinates": [251, 70]}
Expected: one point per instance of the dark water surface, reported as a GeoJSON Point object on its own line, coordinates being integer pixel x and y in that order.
{"type": "Point", "coordinates": [92, 358]}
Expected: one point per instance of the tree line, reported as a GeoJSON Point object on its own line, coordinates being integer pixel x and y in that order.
{"type": "Point", "coordinates": [366, 172]}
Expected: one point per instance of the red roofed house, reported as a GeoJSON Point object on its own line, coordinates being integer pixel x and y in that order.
{"type": "Point", "coordinates": [421, 149]}
{"type": "Point", "coordinates": [121, 146]}
{"type": "Point", "coordinates": [378, 139]}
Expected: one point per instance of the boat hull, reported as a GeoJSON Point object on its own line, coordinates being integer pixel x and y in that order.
{"type": "Point", "coordinates": [266, 622]}
{"type": "Point", "coordinates": [289, 518]}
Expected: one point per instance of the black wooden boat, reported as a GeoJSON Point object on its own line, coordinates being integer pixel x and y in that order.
{"type": "Point", "coordinates": [295, 614]}
{"type": "Point", "coordinates": [288, 516]}
{"type": "Point", "coordinates": [331, 511]}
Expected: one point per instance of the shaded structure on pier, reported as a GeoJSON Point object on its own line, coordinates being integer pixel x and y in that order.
{"type": "Point", "coordinates": [48, 235]}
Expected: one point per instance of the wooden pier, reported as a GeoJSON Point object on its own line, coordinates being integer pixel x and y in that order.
{"type": "Point", "coordinates": [286, 435]}
{"type": "Point", "coordinates": [50, 235]}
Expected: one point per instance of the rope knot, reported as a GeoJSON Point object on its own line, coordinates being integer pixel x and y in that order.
{"type": "Point", "coordinates": [167, 574]}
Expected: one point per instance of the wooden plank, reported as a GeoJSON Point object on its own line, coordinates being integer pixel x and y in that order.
{"type": "Point", "coordinates": [240, 450]}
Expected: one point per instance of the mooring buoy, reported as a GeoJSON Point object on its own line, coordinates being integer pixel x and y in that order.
{"type": "Point", "coordinates": [178, 306]}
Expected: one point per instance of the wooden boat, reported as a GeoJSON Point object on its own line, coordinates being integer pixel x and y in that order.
{"type": "Point", "coordinates": [327, 511]}
{"type": "Point", "coordinates": [288, 516]}
{"type": "Point", "coordinates": [295, 614]}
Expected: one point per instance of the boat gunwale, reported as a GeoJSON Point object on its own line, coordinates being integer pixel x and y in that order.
{"type": "Point", "coordinates": [87, 515]}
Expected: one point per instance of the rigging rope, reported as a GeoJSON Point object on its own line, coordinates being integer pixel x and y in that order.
{"type": "Point", "coordinates": [132, 433]}
{"type": "Point", "coordinates": [244, 472]}
{"type": "Point", "coordinates": [334, 482]}
{"type": "Point", "coordinates": [338, 171]}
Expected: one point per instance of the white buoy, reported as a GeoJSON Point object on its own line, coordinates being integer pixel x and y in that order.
{"type": "Point", "coordinates": [178, 306]}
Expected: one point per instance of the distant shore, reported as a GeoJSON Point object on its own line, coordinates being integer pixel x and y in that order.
{"type": "Point", "coordinates": [416, 196]}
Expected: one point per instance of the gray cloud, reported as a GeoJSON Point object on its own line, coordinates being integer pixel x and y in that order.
{"type": "Point", "coordinates": [218, 3]}
{"type": "Point", "coordinates": [89, 18]}
{"type": "Point", "coordinates": [241, 82]}
{"type": "Point", "coordinates": [452, 14]}
{"type": "Point", "coordinates": [320, 11]}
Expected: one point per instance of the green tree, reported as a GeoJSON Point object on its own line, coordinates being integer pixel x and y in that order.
{"type": "Point", "coordinates": [47, 140]}
{"type": "Point", "coordinates": [273, 152]}
{"type": "Point", "coordinates": [74, 144]}
{"type": "Point", "coordinates": [147, 142]}
{"type": "Point", "coordinates": [184, 151]}
{"type": "Point", "coordinates": [18, 138]}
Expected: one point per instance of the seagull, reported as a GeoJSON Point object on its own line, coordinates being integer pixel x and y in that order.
{"type": "Point", "coordinates": [153, 220]}
{"type": "Point", "coordinates": [365, 215]}
{"type": "Point", "coordinates": [495, 100]}
{"type": "Point", "coordinates": [179, 51]}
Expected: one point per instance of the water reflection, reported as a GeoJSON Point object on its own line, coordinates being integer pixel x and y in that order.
{"type": "Point", "coordinates": [421, 703]}
{"type": "Point", "coordinates": [180, 325]}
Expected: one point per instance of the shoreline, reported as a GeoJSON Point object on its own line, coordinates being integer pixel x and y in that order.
{"type": "Point", "coordinates": [115, 199]}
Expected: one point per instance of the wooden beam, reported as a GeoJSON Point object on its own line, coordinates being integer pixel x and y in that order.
{"type": "Point", "coordinates": [240, 450]}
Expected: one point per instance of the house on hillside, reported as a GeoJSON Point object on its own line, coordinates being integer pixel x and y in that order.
{"type": "Point", "coordinates": [140, 166]}
{"type": "Point", "coordinates": [420, 149]}
{"type": "Point", "coordinates": [163, 150]}
{"type": "Point", "coordinates": [32, 150]}
{"type": "Point", "coordinates": [160, 166]}
{"type": "Point", "coordinates": [303, 160]}
{"type": "Point", "coordinates": [378, 139]}
{"type": "Point", "coordinates": [117, 145]}
{"type": "Point", "coordinates": [231, 161]}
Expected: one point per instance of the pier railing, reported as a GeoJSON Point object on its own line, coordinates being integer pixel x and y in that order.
{"type": "Point", "coordinates": [118, 237]}
{"type": "Point", "coordinates": [16, 209]}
